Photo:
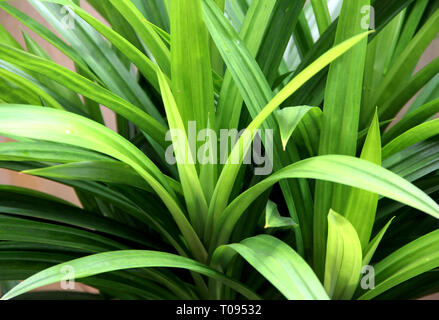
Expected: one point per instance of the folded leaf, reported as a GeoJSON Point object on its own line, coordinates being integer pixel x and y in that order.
{"type": "Point", "coordinates": [288, 119]}
{"type": "Point", "coordinates": [274, 220]}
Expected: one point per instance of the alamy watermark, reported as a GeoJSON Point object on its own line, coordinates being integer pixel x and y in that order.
{"type": "Point", "coordinates": [368, 18]}
{"type": "Point", "coordinates": [368, 279]}
{"type": "Point", "coordinates": [68, 279]}
{"type": "Point", "coordinates": [206, 147]}
{"type": "Point", "coordinates": [68, 17]}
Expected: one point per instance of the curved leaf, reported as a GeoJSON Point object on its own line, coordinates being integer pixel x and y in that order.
{"type": "Point", "coordinates": [361, 205]}
{"type": "Point", "coordinates": [148, 34]}
{"type": "Point", "coordinates": [415, 258]}
{"type": "Point", "coordinates": [346, 170]}
{"type": "Point", "coordinates": [410, 137]}
{"type": "Point", "coordinates": [343, 258]}
{"type": "Point", "coordinates": [48, 152]}
{"type": "Point", "coordinates": [59, 126]}
{"type": "Point", "coordinates": [85, 87]}
{"type": "Point", "coordinates": [104, 171]}
{"type": "Point", "coordinates": [119, 260]}
{"type": "Point", "coordinates": [279, 264]}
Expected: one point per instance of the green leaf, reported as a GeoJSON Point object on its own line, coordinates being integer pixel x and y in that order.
{"type": "Point", "coordinates": [409, 89]}
{"type": "Point", "coordinates": [47, 152]}
{"type": "Point", "coordinates": [273, 219]}
{"type": "Point", "coordinates": [289, 118]}
{"type": "Point", "coordinates": [118, 260]}
{"type": "Point", "coordinates": [321, 11]}
{"type": "Point", "coordinates": [190, 64]}
{"type": "Point", "coordinates": [85, 87]}
{"type": "Point", "coordinates": [379, 57]}
{"type": "Point", "coordinates": [405, 64]}
{"type": "Point", "coordinates": [27, 263]}
{"type": "Point", "coordinates": [156, 10]}
{"type": "Point", "coordinates": [361, 205]}
{"type": "Point", "coordinates": [146, 33]}
{"type": "Point", "coordinates": [145, 65]}
{"type": "Point", "coordinates": [414, 162]}
{"type": "Point", "coordinates": [81, 132]}
{"type": "Point", "coordinates": [284, 20]}
{"type": "Point", "coordinates": [427, 94]}
{"type": "Point", "coordinates": [103, 170]}
{"type": "Point", "coordinates": [410, 26]}
{"type": "Point", "coordinates": [28, 203]}
{"type": "Point", "coordinates": [412, 119]}
{"type": "Point", "coordinates": [346, 170]}
{"type": "Point", "coordinates": [141, 208]}
{"type": "Point", "coordinates": [279, 264]}
{"type": "Point", "coordinates": [343, 258]}
{"type": "Point", "coordinates": [415, 258]}
{"type": "Point", "coordinates": [341, 113]}
{"type": "Point", "coordinates": [308, 131]}
{"type": "Point", "coordinates": [7, 38]}
{"type": "Point", "coordinates": [26, 230]}
{"type": "Point", "coordinates": [302, 35]}
{"type": "Point", "coordinates": [230, 170]}
{"type": "Point", "coordinates": [99, 56]}
{"type": "Point", "coordinates": [47, 35]}
{"type": "Point", "coordinates": [369, 251]}
{"type": "Point", "coordinates": [230, 101]}
{"type": "Point", "coordinates": [412, 136]}
{"type": "Point", "coordinates": [31, 87]}
{"type": "Point", "coordinates": [215, 56]}
{"type": "Point", "coordinates": [256, 93]}
{"type": "Point", "coordinates": [192, 189]}
{"type": "Point", "coordinates": [57, 91]}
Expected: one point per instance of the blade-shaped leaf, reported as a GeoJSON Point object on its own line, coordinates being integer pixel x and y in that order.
{"type": "Point", "coordinates": [104, 171]}
{"type": "Point", "coordinates": [118, 260]}
{"type": "Point", "coordinates": [369, 251]}
{"type": "Point", "coordinates": [415, 258]}
{"type": "Point", "coordinates": [405, 64]}
{"type": "Point", "coordinates": [147, 33]}
{"type": "Point", "coordinates": [75, 130]}
{"type": "Point", "coordinates": [193, 192]}
{"type": "Point", "coordinates": [361, 205]}
{"type": "Point", "coordinates": [346, 170]}
{"type": "Point", "coordinates": [86, 87]}
{"type": "Point", "coordinates": [410, 137]}
{"type": "Point", "coordinates": [230, 171]}
{"type": "Point", "coordinates": [341, 114]}
{"type": "Point", "coordinates": [191, 68]}
{"type": "Point", "coordinates": [343, 258]}
{"type": "Point", "coordinates": [47, 152]}
{"type": "Point", "coordinates": [321, 11]}
{"type": "Point", "coordinates": [279, 264]}
{"type": "Point", "coordinates": [48, 35]}
{"type": "Point", "coordinates": [28, 203]}
{"type": "Point", "coordinates": [411, 120]}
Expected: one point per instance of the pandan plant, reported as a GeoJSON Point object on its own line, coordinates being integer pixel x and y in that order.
{"type": "Point", "coordinates": [338, 202]}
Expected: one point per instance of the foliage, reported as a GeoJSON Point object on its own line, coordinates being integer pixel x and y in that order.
{"type": "Point", "coordinates": [347, 190]}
